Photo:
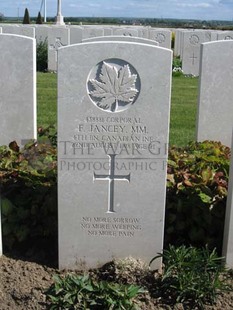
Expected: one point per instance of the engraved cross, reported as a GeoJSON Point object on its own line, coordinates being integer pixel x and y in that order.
{"type": "Point", "coordinates": [111, 178]}
{"type": "Point", "coordinates": [193, 58]}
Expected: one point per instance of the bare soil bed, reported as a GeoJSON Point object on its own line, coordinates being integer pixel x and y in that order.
{"type": "Point", "coordinates": [23, 283]}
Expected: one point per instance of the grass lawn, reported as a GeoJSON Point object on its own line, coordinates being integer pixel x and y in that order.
{"type": "Point", "coordinates": [183, 107]}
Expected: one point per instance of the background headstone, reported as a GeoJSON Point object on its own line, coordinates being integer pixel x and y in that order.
{"type": "Point", "coordinates": [225, 35]}
{"type": "Point", "coordinates": [76, 34]}
{"type": "Point", "coordinates": [26, 31]}
{"type": "Point", "coordinates": [112, 151]}
{"type": "Point", "coordinates": [41, 33]}
{"type": "Point", "coordinates": [90, 32]}
{"type": "Point", "coordinates": [162, 36]}
{"type": "Point", "coordinates": [18, 89]}
{"type": "Point", "coordinates": [215, 108]}
{"type": "Point", "coordinates": [191, 51]}
{"type": "Point", "coordinates": [57, 37]}
{"type": "Point", "coordinates": [125, 32]}
{"type": "Point", "coordinates": [228, 229]}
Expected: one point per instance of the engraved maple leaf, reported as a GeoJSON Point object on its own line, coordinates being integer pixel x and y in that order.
{"type": "Point", "coordinates": [114, 86]}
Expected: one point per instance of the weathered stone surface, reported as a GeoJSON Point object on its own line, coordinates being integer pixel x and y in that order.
{"type": "Point", "coordinates": [113, 120]}
{"type": "Point", "coordinates": [215, 108]}
{"type": "Point", "coordinates": [18, 89]}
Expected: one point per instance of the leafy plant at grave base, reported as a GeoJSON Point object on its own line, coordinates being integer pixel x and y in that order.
{"type": "Point", "coordinates": [42, 56]}
{"type": "Point", "coordinates": [197, 181]}
{"type": "Point", "coordinates": [192, 276]}
{"type": "Point", "coordinates": [28, 180]}
{"type": "Point", "coordinates": [48, 133]}
{"type": "Point", "coordinates": [81, 292]}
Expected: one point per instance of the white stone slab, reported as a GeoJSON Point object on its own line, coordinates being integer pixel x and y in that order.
{"type": "Point", "coordinates": [192, 41]}
{"type": "Point", "coordinates": [162, 36]}
{"type": "Point", "coordinates": [57, 37]}
{"type": "Point", "coordinates": [228, 229]}
{"type": "Point", "coordinates": [125, 32]}
{"type": "Point", "coordinates": [108, 31]}
{"type": "Point", "coordinates": [26, 31]}
{"type": "Point", "coordinates": [18, 89]}
{"type": "Point", "coordinates": [122, 38]}
{"type": "Point", "coordinates": [90, 32]}
{"type": "Point", "coordinates": [76, 34]}
{"type": "Point", "coordinates": [225, 35]}
{"type": "Point", "coordinates": [215, 108]}
{"type": "Point", "coordinates": [109, 210]}
{"type": "Point", "coordinates": [41, 33]}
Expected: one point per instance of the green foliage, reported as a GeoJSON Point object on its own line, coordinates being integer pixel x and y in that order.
{"type": "Point", "coordinates": [39, 19]}
{"type": "Point", "coordinates": [81, 292]}
{"type": "Point", "coordinates": [26, 18]}
{"type": "Point", "coordinates": [196, 194]}
{"type": "Point", "coordinates": [173, 39]}
{"type": "Point", "coordinates": [177, 66]}
{"type": "Point", "coordinates": [42, 56]}
{"type": "Point", "coordinates": [192, 276]}
{"type": "Point", "coordinates": [176, 63]}
{"type": "Point", "coordinates": [29, 194]}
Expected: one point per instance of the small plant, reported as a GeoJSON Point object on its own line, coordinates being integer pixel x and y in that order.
{"type": "Point", "coordinates": [42, 56]}
{"type": "Point", "coordinates": [197, 182]}
{"type": "Point", "coordinates": [177, 67]}
{"type": "Point", "coordinates": [192, 276]}
{"type": "Point", "coordinates": [81, 292]}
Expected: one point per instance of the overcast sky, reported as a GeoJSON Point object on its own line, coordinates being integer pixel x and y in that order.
{"type": "Point", "coordinates": [188, 9]}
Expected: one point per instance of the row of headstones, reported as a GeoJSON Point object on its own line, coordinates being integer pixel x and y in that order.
{"type": "Point", "coordinates": [63, 36]}
{"type": "Point", "coordinates": [188, 43]}
{"type": "Point", "coordinates": [113, 120]}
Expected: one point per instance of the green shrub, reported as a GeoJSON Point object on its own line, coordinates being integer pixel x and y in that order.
{"type": "Point", "coordinates": [81, 292]}
{"type": "Point", "coordinates": [177, 66]}
{"type": "Point", "coordinates": [42, 56]}
{"type": "Point", "coordinates": [28, 181]}
{"type": "Point", "coordinates": [195, 204]}
{"type": "Point", "coordinates": [196, 194]}
{"type": "Point", "coordinates": [26, 18]}
{"type": "Point", "coordinates": [192, 276]}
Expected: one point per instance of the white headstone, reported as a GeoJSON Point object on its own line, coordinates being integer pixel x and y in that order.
{"type": "Point", "coordinates": [228, 229]}
{"type": "Point", "coordinates": [18, 89]}
{"type": "Point", "coordinates": [125, 32]}
{"type": "Point", "coordinates": [107, 31]}
{"type": "Point", "coordinates": [76, 34]}
{"type": "Point", "coordinates": [90, 32]}
{"type": "Point", "coordinates": [162, 36]}
{"type": "Point", "coordinates": [57, 37]}
{"type": "Point", "coordinates": [26, 31]}
{"type": "Point", "coordinates": [113, 120]}
{"type": "Point", "coordinates": [225, 35]}
{"type": "Point", "coordinates": [41, 33]}
{"type": "Point", "coordinates": [215, 108]}
{"type": "Point", "coordinates": [191, 51]}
